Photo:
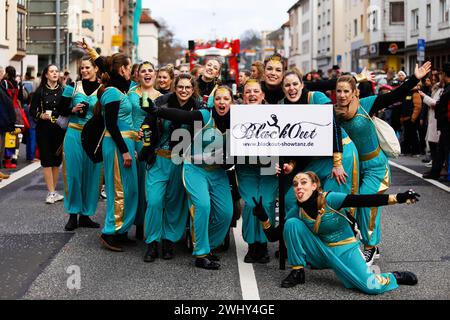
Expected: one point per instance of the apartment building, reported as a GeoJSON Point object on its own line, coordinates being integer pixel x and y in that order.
{"type": "Point", "coordinates": [13, 45]}
{"type": "Point", "coordinates": [148, 38]}
{"type": "Point", "coordinates": [428, 20]}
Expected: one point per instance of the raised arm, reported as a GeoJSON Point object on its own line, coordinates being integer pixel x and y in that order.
{"type": "Point", "coordinates": [398, 94]}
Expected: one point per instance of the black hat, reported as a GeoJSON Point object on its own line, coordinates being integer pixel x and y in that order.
{"type": "Point", "coordinates": [446, 69]}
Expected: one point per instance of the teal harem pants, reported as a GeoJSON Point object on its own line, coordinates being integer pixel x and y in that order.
{"type": "Point", "coordinates": [210, 206]}
{"type": "Point", "coordinates": [81, 176]}
{"type": "Point", "coordinates": [346, 260]}
{"type": "Point", "coordinates": [121, 188]}
{"type": "Point", "coordinates": [252, 184]}
{"type": "Point", "coordinates": [167, 212]}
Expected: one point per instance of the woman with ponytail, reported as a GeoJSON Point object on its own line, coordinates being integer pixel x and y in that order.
{"type": "Point", "coordinates": [81, 175]}
{"type": "Point", "coordinates": [317, 232]}
{"type": "Point", "coordinates": [118, 152]}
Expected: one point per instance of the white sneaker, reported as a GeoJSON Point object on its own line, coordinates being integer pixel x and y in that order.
{"type": "Point", "coordinates": [57, 197]}
{"type": "Point", "coordinates": [50, 198]}
{"type": "Point", "coordinates": [103, 192]}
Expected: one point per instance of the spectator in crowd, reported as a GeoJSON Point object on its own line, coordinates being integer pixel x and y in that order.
{"type": "Point", "coordinates": [14, 89]}
{"type": "Point", "coordinates": [67, 77]}
{"type": "Point", "coordinates": [49, 136]}
{"type": "Point", "coordinates": [185, 69]}
{"type": "Point", "coordinates": [30, 135]}
{"type": "Point", "coordinates": [442, 119]}
{"type": "Point", "coordinates": [197, 71]}
{"type": "Point", "coordinates": [401, 76]}
{"type": "Point", "coordinates": [257, 70]}
{"type": "Point", "coordinates": [411, 108]}
{"type": "Point", "coordinates": [423, 121]}
{"type": "Point", "coordinates": [244, 76]}
{"type": "Point", "coordinates": [432, 135]}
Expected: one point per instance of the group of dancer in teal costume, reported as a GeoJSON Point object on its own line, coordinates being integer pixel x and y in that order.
{"type": "Point", "coordinates": [195, 187]}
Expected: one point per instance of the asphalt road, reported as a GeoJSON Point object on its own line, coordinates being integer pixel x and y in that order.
{"type": "Point", "coordinates": [38, 258]}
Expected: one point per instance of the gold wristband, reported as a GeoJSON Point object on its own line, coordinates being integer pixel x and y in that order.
{"type": "Point", "coordinates": [337, 159]}
{"type": "Point", "coordinates": [92, 53]}
{"type": "Point", "coordinates": [392, 199]}
{"type": "Point", "coordinates": [266, 225]}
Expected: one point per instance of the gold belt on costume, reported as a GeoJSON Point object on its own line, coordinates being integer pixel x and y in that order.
{"type": "Point", "coordinates": [342, 243]}
{"type": "Point", "coordinates": [371, 155]}
{"type": "Point", "coordinates": [346, 141]}
{"type": "Point", "coordinates": [76, 126]}
{"type": "Point", "coordinates": [164, 153]}
{"type": "Point", "coordinates": [126, 134]}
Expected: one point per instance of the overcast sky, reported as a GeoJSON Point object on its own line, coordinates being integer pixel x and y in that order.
{"type": "Point", "coordinates": [205, 19]}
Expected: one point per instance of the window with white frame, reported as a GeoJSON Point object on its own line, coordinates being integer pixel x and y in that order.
{"type": "Point", "coordinates": [415, 20]}
{"type": "Point", "coordinates": [443, 10]}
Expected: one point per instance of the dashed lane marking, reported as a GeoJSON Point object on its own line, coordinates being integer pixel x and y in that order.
{"type": "Point", "coordinates": [20, 174]}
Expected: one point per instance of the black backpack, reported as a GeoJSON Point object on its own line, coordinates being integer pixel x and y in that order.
{"type": "Point", "coordinates": [7, 112]}
{"type": "Point", "coordinates": [92, 138]}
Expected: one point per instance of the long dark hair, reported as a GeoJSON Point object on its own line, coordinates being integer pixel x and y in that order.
{"type": "Point", "coordinates": [112, 66]}
{"type": "Point", "coordinates": [10, 74]}
{"type": "Point", "coordinates": [44, 79]}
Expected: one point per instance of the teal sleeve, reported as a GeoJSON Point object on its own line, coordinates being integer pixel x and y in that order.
{"type": "Point", "coordinates": [336, 199]}
{"type": "Point", "coordinates": [320, 98]}
{"type": "Point", "coordinates": [110, 95]}
{"type": "Point", "coordinates": [206, 114]}
{"type": "Point", "coordinates": [293, 213]}
{"type": "Point", "coordinates": [68, 92]}
{"type": "Point", "coordinates": [367, 103]}
{"type": "Point", "coordinates": [210, 103]}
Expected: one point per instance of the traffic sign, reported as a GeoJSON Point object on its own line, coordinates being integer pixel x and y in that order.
{"type": "Point", "coordinates": [421, 50]}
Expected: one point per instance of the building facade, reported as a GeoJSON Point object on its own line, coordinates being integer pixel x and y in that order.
{"type": "Point", "coordinates": [300, 20]}
{"type": "Point", "coordinates": [13, 35]}
{"type": "Point", "coordinates": [428, 20]}
{"type": "Point", "coordinates": [148, 38]}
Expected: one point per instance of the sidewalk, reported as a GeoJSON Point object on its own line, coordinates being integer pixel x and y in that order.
{"type": "Point", "coordinates": [416, 164]}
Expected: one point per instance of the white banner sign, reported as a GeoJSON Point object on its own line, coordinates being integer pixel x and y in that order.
{"type": "Point", "coordinates": [281, 130]}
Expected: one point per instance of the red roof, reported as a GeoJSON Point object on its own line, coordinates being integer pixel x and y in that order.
{"type": "Point", "coordinates": [146, 18]}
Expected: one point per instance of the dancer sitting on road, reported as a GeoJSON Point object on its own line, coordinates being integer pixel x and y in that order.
{"type": "Point", "coordinates": [317, 232]}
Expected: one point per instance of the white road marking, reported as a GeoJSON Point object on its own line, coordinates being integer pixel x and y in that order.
{"type": "Point", "coordinates": [20, 174]}
{"type": "Point", "coordinates": [247, 277]}
{"type": "Point", "coordinates": [414, 173]}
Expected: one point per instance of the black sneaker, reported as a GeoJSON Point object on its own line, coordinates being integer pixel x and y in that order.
{"type": "Point", "coordinates": [430, 176]}
{"type": "Point", "coordinates": [405, 278]}
{"type": "Point", "coordinates": [167, 249]}
{"type": "Point", "coordinates": [369, 255]}
{"type": "Point", "coordinates": [124, 240]}
{"type": "Point", "coordinates": [110, 242]}
{"type": "Point", "coordinates": [377, 253]}
{"type": "Point", "coordinates": [72, 224]}
{"type": "Point", "coordinates": [152, 252]}
{"type": "Point", "coordinates": [86, 222]}
{"type": "Point", "coordinates": [263, 253]}
{"type": "Point", "coordinates": [213, 257]}
{"type": "Point", "coordinates": [250, 257]}
{"type": "Point", "coordinates": [205, 263]}
{"type": "Point", "coordinates": [294, 278]}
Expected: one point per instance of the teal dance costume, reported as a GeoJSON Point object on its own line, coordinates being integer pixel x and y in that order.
{"type": "Point", "coordinates": [81, 175]}
{"type": "Point", "coordinates": [167, 208]}
{"type": "Point", "coordinates": [375, 173]}
{"type": "Point", "coordinates": [323, 166]}
{"type": "Point", "coordinates": [121, 183]}
{"type": "Point", "coordinates": [135, 95]}
{"type": "Point", "coordinates": [206, 181]}
{"type": "Point", "coordinates": [318, 233]}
